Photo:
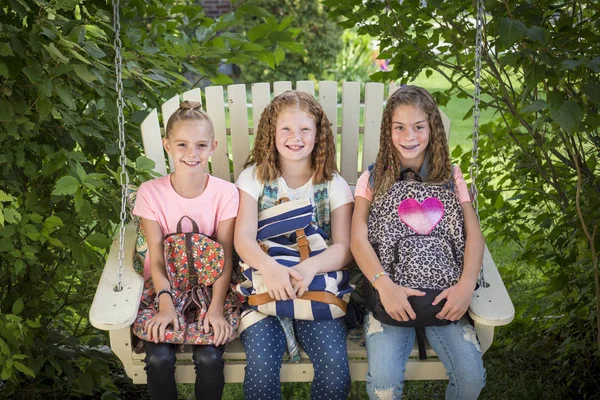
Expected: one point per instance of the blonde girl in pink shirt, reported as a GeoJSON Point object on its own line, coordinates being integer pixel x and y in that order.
{"type": "Point", "coordinates": [212, 203]}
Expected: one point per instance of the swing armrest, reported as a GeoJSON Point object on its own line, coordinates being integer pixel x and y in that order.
{"type": "Point", "coordinates": [491, 306]}
{"type": "Point", "coordinates": [115, 310]}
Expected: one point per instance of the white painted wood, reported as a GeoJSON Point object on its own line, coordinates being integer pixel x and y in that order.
{"type": "Point", "coordinates": [392, 87]}
{"type": "Point", "coordinates": [192, 95]}
{"type": "Point", "coordinates": [281, 86]}
{"type": "Point", "coordinates": [373, 114]}
{"type": "Point", "coordinates": [350, 130]}
{"type": "Point", "coordinates": [328, 100]}
{"type": "Point", "coordinates": [120, 344]}
{"type": "Point", "coordinates": [306, 87]}
{"type": "Point", "coordinates": [168, 108]}
{"type": "Point", "coordinates": [238, 121]}
{"type": "Point", "coordinates": [261, 96]}
{"type": "Point", "coordinates": [215, 107]}
{"type": "Point", "coordinates": [491, 305]}
{"type": "Point", "coordinates": [115, 310]}
{"type": "Point", "coordinates": [152, 142]}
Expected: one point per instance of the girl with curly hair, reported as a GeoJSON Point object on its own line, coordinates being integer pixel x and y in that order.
{"type": "Point", "coordinates": [415, 233]}
{"type": "Point", "coordinates": [294, 157]}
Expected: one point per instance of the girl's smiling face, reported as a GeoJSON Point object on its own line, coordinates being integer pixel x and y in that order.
{"type": "Point", "coordinates": [295, 133]}
{"type": "Point", "coordinates": [410, 135]}
{"type": "Point", "coordinates": [190, 144]}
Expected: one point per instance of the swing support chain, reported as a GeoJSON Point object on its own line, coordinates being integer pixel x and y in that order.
{"type": "Point", "coordinates": [123, 176]}
{"type": "Point", "coordinates": [474, 168]}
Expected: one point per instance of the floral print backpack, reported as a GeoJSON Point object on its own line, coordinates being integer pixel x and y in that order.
{"type": "Point", "coordinates": [194, 262]}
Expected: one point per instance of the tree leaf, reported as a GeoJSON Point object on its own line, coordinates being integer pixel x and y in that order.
{"type": "Point", "coordinates": [203, 33]}
{"type": "Point", "coordinates": [4, 349]}
{"type": "Point", "coordinates": [5, 196]}
{"type": "Point", "coordinates": [98, 240]}
{"type": "Point", "coordinates": [567, 116]}
{"type": "Point", "coordinates": [253, 10]}
{"type": "Point", "coordinates": [6, 111]}
{"type": "Point", "coordinates": [259, 31]}
{"type": "Point", "coordinates": [5, 50]}
{"type": "Point", "coordinates": [4, 70]}
{"type": "Point", "coordinates": [18, 306]}
{"type": "Point", "coordinates": [571, 64]}
{"type": "Point", "coordinates": [24, 369]}
{"type": "Point", "coordinates": [94, 31]}
{"type": "Point", "coordinates": [592, 90]}
{"type": "Point", "coordinates": [52, 222]}
{"type": "Point", "coordinates": [19, 266]}
{"type": "Point", "coordinates": [221, 79]}
{"type": "Point", "coordinates": [510, 31]}
{"type": "Point", "coordinates": [56, 54]}
{"type": "Point", "coordinates": [66, 185]}
{"type": "Point", "coordinates": [145, 163]}
{"type": "Point", "coordinates": [82, 72]}
{"type": "Point", "coordinates": [537, 105]}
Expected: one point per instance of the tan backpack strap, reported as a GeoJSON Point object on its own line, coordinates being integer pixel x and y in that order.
{"type": "Point", "coordinates": [321, 297]}
{"type": "Point", "coordinates": [303, 244]}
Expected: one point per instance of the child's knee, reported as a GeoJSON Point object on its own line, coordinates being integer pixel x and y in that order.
{"type": "Point", "coordinates": [161, 358]}
{"type": "Point", "coordinates": [208, 357]}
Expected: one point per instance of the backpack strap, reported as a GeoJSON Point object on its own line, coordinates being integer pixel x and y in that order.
{"type": "Point", "coordinates": [321, 212]}
{"type": "Point", "coordinates": [421, 342]}
{"type": "Point", "coordinates": [371, 168]}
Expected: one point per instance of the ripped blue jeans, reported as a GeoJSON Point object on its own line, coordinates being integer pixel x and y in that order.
{"type": "Point", "coordinates": [388, 349]}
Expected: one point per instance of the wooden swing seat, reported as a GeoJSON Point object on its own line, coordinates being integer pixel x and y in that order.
{"type": "Point", "coordinates": [115, 311]}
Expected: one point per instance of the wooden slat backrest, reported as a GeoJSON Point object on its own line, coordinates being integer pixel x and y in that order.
{"type": "Point", "coordinates": [373, 109]}
{"type": "Point", "coordinates": [215, 107]}
{"type": "Point", "coordinates": [350, 131]}
{"type": "Point", "coordinates": [238, 122]}
{"type": "Point", "coordinates": [239, 131]}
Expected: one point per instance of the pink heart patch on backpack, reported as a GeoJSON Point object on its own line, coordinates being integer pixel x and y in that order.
{"type": "Point", "coordinates": [421, 217]}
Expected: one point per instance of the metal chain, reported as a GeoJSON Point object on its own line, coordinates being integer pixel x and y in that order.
{"type": "Point", "coordinates": [474, 168]}
{"type": "Point", "coordinates": [124, 176]}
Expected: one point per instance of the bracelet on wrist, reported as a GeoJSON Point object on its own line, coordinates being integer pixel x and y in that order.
{"type": "Point", "coordinates": [377, 275]}
{"type": "Point", "coordinates": [167, 291]}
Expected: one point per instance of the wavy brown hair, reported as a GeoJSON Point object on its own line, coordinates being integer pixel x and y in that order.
{"type": "Point", "coordinates": [264, 153]}
{"type": "Point", "coordinates": [388, 165]}
{"type": "Point", "coordinates": [189, 111]}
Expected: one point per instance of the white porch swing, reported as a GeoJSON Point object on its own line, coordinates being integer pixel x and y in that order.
{"type": "Point", "coordinates": [116, 302]}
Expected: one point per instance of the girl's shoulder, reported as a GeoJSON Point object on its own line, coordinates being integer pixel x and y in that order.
{"type": "Point", "coordinates": [222, 184]}
{"type": "Point", "coordinates": [159, 183]}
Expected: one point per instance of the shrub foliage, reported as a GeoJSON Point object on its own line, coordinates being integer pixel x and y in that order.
{"type": "Point", "coordinates": [539, 174]}
{"type": "Point", "coordinates": [59, 189]}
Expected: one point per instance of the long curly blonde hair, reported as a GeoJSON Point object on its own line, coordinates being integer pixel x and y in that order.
{"type": "Point", "coordinates": [264, 153]}
{"type": "Point", "coordinates": [388, 166]}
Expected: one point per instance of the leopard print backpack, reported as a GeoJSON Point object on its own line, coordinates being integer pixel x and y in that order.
{"type": "Point", "coordinates": [417, 231]}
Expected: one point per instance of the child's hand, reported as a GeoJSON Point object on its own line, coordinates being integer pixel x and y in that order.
{"type": "Point", "coordinates": [308, 273]}
{"type": "Point", "coordinates": [221, 327]}
{"type": "Point", "coordinates": [278, 281]}
{"type": "Point", "coordinates": [394, 299]}
{"type": "Point", "coordinates": [155, 326]}
{"type": "Point", "coordinates": [458, 298]}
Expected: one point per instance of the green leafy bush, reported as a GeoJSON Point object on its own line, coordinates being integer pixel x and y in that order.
{"type": "Point", "coordinates": [59, 182]}
{"type": "Point", "coordinates": [316, 39]}
{"type": "Point", "coordinates": [539, 173]}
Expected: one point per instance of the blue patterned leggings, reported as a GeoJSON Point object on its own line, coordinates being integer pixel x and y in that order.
{"type": "Point", "coordinates": [323, 341]}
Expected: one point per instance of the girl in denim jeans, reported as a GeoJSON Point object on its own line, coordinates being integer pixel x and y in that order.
{"type": "Point", "coordinates": [294, 152]}
{"type": "Point", "coordinates": [412, 137]}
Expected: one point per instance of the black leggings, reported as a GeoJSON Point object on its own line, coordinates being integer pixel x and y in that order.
{"type": "Point", "coordinates": [160, 370]}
